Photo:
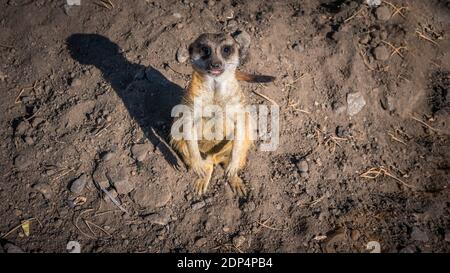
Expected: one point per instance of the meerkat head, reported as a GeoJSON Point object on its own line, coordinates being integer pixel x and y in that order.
{"type": "Point", "coordinates": [214, 54]}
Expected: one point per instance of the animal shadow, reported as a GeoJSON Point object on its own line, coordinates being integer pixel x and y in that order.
{"type": "Point", "coordinates": [148, 96]}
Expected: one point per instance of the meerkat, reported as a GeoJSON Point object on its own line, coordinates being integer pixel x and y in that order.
{"type": "Point", "coordinates": [215, 81]}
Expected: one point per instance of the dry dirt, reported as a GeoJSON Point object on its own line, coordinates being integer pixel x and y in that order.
{"type": "Point", "coordinates": [87, 93]}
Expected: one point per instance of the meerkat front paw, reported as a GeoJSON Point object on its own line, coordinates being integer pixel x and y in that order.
{"type": "Point", "coordinates": [201, 183]}
{"type": "Point", "coordinates": [200, 167]}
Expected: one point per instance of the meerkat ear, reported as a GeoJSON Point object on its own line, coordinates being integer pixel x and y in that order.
{"type": "Point", "coordinates": [243, 39]}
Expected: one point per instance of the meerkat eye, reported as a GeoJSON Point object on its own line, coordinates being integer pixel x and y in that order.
{"type": "Point", "coordinates": [226, 50]}
{"type": "Point", "coordinates": [206, 50]}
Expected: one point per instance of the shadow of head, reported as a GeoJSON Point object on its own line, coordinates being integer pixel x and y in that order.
{"type": "Point", "coordinates": [146, 93]}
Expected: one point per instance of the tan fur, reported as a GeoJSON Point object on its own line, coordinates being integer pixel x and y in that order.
{"type": "Point", "coordinates": [214, 59]}
{"type": "Point", "coordinates": [215, 152]}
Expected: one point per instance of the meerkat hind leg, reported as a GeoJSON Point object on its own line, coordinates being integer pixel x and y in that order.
{"type": "Point", "coordinates": [223, 157]}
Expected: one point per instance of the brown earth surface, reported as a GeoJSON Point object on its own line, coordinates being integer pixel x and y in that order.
{"type": "Point", "coordinates": [86, 98]}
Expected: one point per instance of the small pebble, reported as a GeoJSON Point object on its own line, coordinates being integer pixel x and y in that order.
{"type": "Point", "coordinates": [419, 235]}
{"type": "Point", "coordinates": [381, 53]}
{"type": "Point", "coordinates": [78, 184]}
{"type": "Point", "coordinates": [122, 183]}
{"type": "Point", "coordinates": [140, 151]}
{"type": "Point", "coordinates": [22, 127]}
{"type": "Point", "coordinates": [355, 103]}
{"type": "Point", "coordinates": [182, 54]}
{"type": "Point", "coordinates": [198, 205]}
{"type": "Point", "coordinates": [238, 240]}
{"type": "Point", "coordinates": [229, 14]}
{"type": "Point", "coordinates": [383, 13]}
{"type": "Point", "coordinates": [298, 47]}
{"type": "Point", "coordinates": [200, 242]}
{"type": "Point", "coordinates": [409, 249]}
{"type": "Point", "coordinates": [75, 82]}
{"type": "Point", "coordinates": [159, 218]}
{"type": "Point", "coordinates": [107, 156]}
{"type": "Point", "coordinates": [303, 166]}
{"type": "Point", "coordinates": [29, 140]}
{"type": "Point", "coordinates": [373, 3]}
{"type": "Point", "coordinates": [44, 188]}
{"type": "Point", "coordinates": [21, 162]}
{"type": "Point", "coordinates": [342, 132]}
{"type": "Point", "coordinates": [10, 248]}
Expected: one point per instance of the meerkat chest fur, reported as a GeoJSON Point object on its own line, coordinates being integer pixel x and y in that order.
{"type": "Point", "coordinates": [221, 91]}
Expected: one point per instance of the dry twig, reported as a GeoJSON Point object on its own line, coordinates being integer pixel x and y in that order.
{"type": "Point", "coordinates": [375, 172]}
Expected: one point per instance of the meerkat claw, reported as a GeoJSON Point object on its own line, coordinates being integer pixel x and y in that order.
{"type": "Point", "coordinates": [237, 186]}
{"type": "Point", "coordinates": [231, 171]}
{"type": "Point", "coordinates": [200, 186]}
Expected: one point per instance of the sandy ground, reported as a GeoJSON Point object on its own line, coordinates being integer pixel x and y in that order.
{"type": "Point", "coordinates": [86, 99]}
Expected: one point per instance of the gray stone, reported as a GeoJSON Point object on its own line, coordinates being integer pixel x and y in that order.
{"type": "Point", "coordinates": [29, 140]}
{"type": "Point", "coordinates": [303, 166]}
{"type": "Point", "coordinates": [152, 196]}
{"type": "Point", "coordinates": [381, 53]}
{"type": "Point", "coordinates": [409, 249]}
{"type": "Point", "coordinates": [107, 156]}
{"type": "Point", "coordinates": [383, 13]}
{"type": "Point", "coordinates": [200, 242]}
{"type": "Point", "coordinates": [161, 218]}
{"type": "Point", "coordinates": [100, 178]}
{"type": "Point", "coordinates": [298, 47]}
{"type": "Point", "coordinates": [419, 235]}
{"type": "Point", "coordinates": [121, 181]}
{"type": "Point", "coordinates": [37, 121]}
{"type": "Point", "coordinates": [140, 151]}
{"type": "Point", "coordinates": [228, 14]}
{"type": "Point", "coordinates": [45, 189]}
{"type": "Point", "coordinates": [355, 103]}
{"type": "Point", "coordinates": [10, 248]}
{"type": "Point", "coordinates": [21, 128]}
{"type": "Point", "coordinates": [365, 39]}
{"type": "Point", "coordinates": [342, 132]}
{"type": "Point", "coordinates": [22, 162]}
{"type": "Point", "coordinates": [78, 184]}
{"type": "Point", "coordinates": [75, 82]}
{"type": "Point", "coordinates": [182, 54]}
{"type": "Point", "coordinates": [198, 205]}
{"type": "Point", "coordinates": [387, 102]}
{"type": "Point", "coordinates": [373, 3]}
{"type": "Point", "coordinates": [238, 240]}
{"type": "Point", "coordinates": [232, 24]}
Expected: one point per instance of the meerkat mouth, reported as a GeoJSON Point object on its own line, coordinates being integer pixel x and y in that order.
{"type": "Point", "coordinates": [215, 72]}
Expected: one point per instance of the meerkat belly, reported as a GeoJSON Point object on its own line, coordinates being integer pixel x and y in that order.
{"type": "Point", "coordinates": [214, 135]}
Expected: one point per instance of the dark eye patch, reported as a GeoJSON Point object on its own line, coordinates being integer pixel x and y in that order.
{"type": "Point", "coordinates": [205, 50]}
{"type": "Point", "coordinates": [227, 50]}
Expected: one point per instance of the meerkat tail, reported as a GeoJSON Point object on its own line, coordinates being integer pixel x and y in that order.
{"type": "Point", "coordinates": [242, 76]}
